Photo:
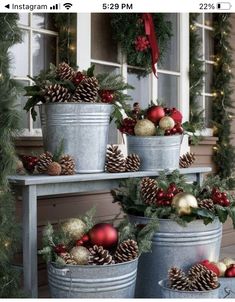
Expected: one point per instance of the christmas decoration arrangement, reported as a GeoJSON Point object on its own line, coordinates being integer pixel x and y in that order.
{"type": "Point", "coordinates": [223, 268]}
{"type": "Point", "coordinates": [64, 84]}
{"type": "Point", "coordinates": [79, 241]}
{"type": "Point", "coordinates": [169, 196]}
{"type": "Point", "coordinates": [48, 163]}
{"type": "Point", "coordinates": [116, 163]}
{"type": "Point", "coordinates": [155, 121]}
{"type": "Point", "coordinates": [187, 160]}
{"type": "Point", "coordinates": [198, 278]}
{"type": "Point", "coordinates": [143, 38]}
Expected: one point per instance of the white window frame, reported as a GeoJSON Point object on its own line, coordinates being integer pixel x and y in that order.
{"type": "Point", "coordinates": [30, 131]}
{"type": "Point", "coordinates": [204, 94]}
{"type": "Point", "coordinates": [84, 61]}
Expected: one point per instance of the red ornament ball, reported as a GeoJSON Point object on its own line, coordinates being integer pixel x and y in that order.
{"type": "Point", "coordinates": [141, 43]}
{"type": "Point", "coordinates": [103, 234]}
{"type": "Point", "coordinates": [155, 113]}
{"type": "Point", "coordinates": [79, 76]}
{"type": "Point", "coordinates": [107, 96]}
{"type": "Point", "coordinates": [176, 115]}
{"type": "Point", "coordinates": [230, 272]}
{"type": "Point", "coordinates": [211, 266]}
{"type": "Point", "coordinates": [29, 162]}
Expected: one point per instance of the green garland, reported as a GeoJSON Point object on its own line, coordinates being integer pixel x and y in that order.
{"type": "Point", "coordinates": [196, 120]}
{"type": "Point", "coordinates": [9, 125]}
{"type": "Point", "coordinates": [127, 27]}
{"type": "Point", "coordinates": [224, 152]}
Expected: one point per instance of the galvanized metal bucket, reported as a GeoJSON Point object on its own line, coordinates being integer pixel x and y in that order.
{"type": "Point", "coordinates": [156, 152]}
{"type": "Point", "coordinates": [167, 292]}
{"type": "Point", "coordinates": [227, 288]}
{"type": "Point", "coordinates": [93, 281]}
{"type": "Point", "coordinates": [175, 245]}
{"type": "Point", "coordinates": [83, 128]}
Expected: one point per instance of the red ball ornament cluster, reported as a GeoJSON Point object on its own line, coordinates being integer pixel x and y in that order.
{"type": "Point", "coordinates": [164, 198]}
{"type": "Point", "coordinates": [168, 120]}
{"type": "Point", "coordinates": [107, 96]}
{"type": "Point", "coordinates": [230, 272]}
{"type": "Point", "coordinates": [141, 43]}
{"type": "Point", "coordinates": [29, 162]}
{"type": "Point", "coordinates": [127, 126]}
{"type": "Point", "coordinates": [220, 198]}
{"type": "Point", "coordinates": [79, 76]}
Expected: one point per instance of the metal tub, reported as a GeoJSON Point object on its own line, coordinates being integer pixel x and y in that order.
{"type": "Point", "coordinates": [89, 281]}
{"type": "Point", "coordinates": [227, 288]}
{"type": "Point", "coordinates": [167, 292]}
{"type": "Point", "coordinates": [175, 245]}
{"type": "Point", "coordinates": [84, 129]}
{"type": "Point", "coordinates": [156, 152]}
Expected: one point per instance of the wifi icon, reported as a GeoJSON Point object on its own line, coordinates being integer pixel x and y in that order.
{"type": "Point", "coordinates": [68, 5]}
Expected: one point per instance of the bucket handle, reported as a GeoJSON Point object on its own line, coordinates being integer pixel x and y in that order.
{"type": "Point", "coordinates": [61, 271]}
{"type": "Point", "coordinates": [228, 291]}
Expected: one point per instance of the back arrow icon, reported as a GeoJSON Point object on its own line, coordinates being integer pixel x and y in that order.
{"type": "Point", "coordinates": [7, 6]}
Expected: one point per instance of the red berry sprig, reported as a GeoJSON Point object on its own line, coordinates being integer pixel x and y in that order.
{"type": "Point", "coordinates": [60, 249]}
{"type": "Point", "coordinates": [177, 129]}
{"type": "Point", "coordinates": [29, 162]}
{"type": "Point", "coordinates": [84, 240]}
{"type": "Point", "coordinates": [164, 198]}
{"type": "Point", "coordinates": [127, 126]}
{"type": "Point", "coordinates": [79, 76]}
{"type": "Point", "coordinates": [220, 198]}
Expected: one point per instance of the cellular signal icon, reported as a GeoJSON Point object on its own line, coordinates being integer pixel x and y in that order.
{"type": "Point", "coordinates": [55, 7]}
{"type": "Point", "coordinates": [68, 5]}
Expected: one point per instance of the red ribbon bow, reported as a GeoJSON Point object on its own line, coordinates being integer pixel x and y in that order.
{"type": "Point", "coordinates": [150, 33]}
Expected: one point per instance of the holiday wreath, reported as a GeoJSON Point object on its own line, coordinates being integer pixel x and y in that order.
{"type": "Point", "coordinates": [134, 41]}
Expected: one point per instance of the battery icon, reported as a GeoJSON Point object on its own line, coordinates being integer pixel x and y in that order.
{"type": "Point", "coordinates": [224, 5]}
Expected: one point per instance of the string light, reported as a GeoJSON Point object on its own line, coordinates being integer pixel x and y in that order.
{"type": "Point", "coordinates": [6, 244]}
{"type": "Point", "coordinates": [193, 27]}
{"type": "Point", "coordinates": [214, 94]}
{"type": "Point", "coordinates": [215, 148]}
{"type": "Point", "coordinates": [1, 76]}
{"type": "Point", "coordinates": [221, 92]}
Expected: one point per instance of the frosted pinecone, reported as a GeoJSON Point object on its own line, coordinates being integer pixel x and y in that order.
{"type": "Point", "coordinates": [126, 251]}
{"type": "Point", "coordinates": [44, 160]}
{"type": "Point", "coordinates": [67, 164]}
{"type": "Point", "coordinates": [177, 279]}
{"type": "Point", "coordinates": [187, 160]}
{"type": "Point", "coordinates": [115, 162]}
{"type": "Point", "coordinates": [148, 189]}
{"type": "Point", "coordinates": [207, 204]}
{"type": "Point", "coordinates": [99, 256]}
{"type": "Point", "coordinates": [87, 91]}
{"type": "Point", "coordinates": [56, 93]}
{"type": "Point", "coordinates": [204, 279]}
{"type": "Point", "coordinates": [65, 72]}
{"type": "Point", "coordinates": [132, 163]}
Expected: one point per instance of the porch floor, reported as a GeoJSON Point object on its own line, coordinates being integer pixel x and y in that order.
{"type": "Point", "coordinates": [228, 251]}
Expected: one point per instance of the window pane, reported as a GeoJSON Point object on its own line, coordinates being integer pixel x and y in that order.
{"type": "Point", "coordinates": [141, 93]}
{"type": "Point", "coordinates": [208, 77]}
{"type": "Point", "coordinates": [209, 45]}
{"type": "Point", "coordinates": [199, 18]}
{"type": "Point", "coordinates": [168, 90]}
{"type": "Point", "coordinates": [44, 51]}
{"type": "Point", "coordinates": [99, 68]}
{"type": "Point", "coordinates": [37, 123]}
{"type": "Point", "coordinates": [208, 20]}
{"type": "Point", "coordinates": [199, 33]}
{"type": "Point", "coordinates": [20, 103]}
{"type": "Point", "coordinates": [24, 19]}
{"type": "Point", "coordinates": [208, 111]}
{"type": "Point", "coordinates": [170, 56]}
{"type": "Point", "coordinates": [43, 21]}
{"type": "Point", "coordinates": [20, 55]}
{"type": "Point", "coordinates": [103, 47]}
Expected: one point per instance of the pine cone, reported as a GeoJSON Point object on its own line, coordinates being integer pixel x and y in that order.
{"type": "Point", "coordinates": [187, 160]}
{"type": "Point", "coordinates": [205, 279]}
{"type": "Point", "coordinates": [148, 189]}
{"type": "Point", "coordinates": [207, 204]}
{"type": "Point", "coordinates": [54, 169]}
{"type": "Point", "coordinates": [68, 259]}
{"type": "Point", "coordinates": [86, 91]}
{"type": "Point", "coordinates": [65, 72]}
{"type": "Point", "coordinates": [126, 251]}
{"type": "Point", "coordinates": [195, 270]}
{"type": "Point", "coordinates": [115, 161]}
{"type": "Point", "coordinates": [99, 256]}
{"type": "Point", "coordinates": [178, 279]}
{"type": "Point", "coordinates": [56, 93]}
{"type": "Point", "coordinates": [44, 160]}
{"type": "Point", "coordinates": [67, 164]}
{"type": "Point", "coordinates": [132, 163]}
